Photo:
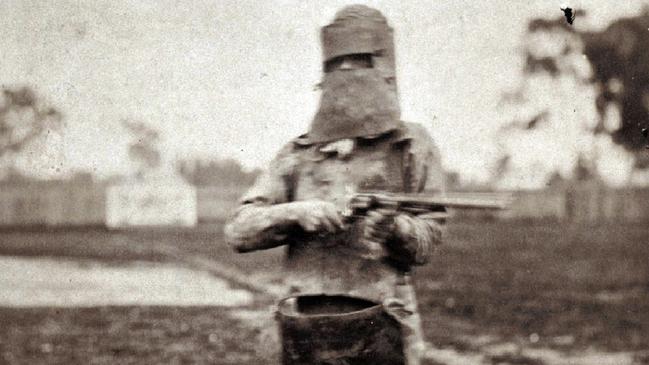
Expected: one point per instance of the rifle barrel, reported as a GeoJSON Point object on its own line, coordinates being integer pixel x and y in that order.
{"type": "Point", "coordinates": [439, 201]}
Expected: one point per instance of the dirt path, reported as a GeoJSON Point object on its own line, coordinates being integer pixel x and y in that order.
{"type": "Point", "coordinates": [510, 353]}
{"type": "Point", "coordinates": [259, 284]}
{"type": "Point", "coordinates": [47, 282]}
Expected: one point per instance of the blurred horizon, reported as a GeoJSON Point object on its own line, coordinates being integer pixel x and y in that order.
{"type": "Point", "coordinates": [236, 80]}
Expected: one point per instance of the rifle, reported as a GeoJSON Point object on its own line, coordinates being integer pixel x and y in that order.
{"type": "Point", "coordinates": [434, 206]}
{"type": "Point", "coordinates": [359, 203]}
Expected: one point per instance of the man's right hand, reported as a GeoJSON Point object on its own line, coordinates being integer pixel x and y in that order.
{"type": "Point", "coordinates": [315, 216]}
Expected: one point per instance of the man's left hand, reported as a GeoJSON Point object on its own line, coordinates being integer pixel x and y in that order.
{"type": "Point", "coordinates": [379, 225]}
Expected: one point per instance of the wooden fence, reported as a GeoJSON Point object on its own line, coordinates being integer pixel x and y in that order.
{"type": "Point", "coordinates": [78, 203]}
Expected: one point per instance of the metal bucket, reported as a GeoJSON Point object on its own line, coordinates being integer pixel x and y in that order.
{"type": "Point", "coordinates": [337, 329]}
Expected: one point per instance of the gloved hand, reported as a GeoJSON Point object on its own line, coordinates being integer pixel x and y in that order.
{"type": "Point", "coordinates": [379, 225]}
{"type": "Point", "coordinates": [405, 230]}
{"type": "Point", "coordinates": [382, 225]}
{"type": "Point", "coordinates": [314, 215]}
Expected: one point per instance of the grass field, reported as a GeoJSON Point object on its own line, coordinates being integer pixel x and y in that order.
{"type": "Point", "coordinates": [569, 286]}
{"type": "Point", "coordinates": [551, 285]}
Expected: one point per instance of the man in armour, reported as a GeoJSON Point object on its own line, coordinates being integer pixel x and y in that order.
{"type": "Point", "coordinates": [356, 142]}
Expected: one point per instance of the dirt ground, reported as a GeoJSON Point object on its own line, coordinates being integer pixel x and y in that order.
{"type": "Point", "coordinates": [517, 288]}
{"type": "Point", "coordinates": [130, 335]}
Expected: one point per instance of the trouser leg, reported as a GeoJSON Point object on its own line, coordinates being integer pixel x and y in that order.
{"type": "Point", "coordinates": [404, 310]}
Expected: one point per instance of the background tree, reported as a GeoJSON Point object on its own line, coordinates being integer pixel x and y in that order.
{"type": "Point", "coordinates": [620, 63]}
{"type": "Point", "coordinates": [218, 172]}
{"type": "Point", "coordinates": [144, 147]}
{"type": "Point", "coordinates": [618, 73]}
{"type": "Point", "coordinates": [23, 119]}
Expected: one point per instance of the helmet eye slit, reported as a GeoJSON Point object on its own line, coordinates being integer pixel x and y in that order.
{"type": "Point", "coordinates": [350, 62]}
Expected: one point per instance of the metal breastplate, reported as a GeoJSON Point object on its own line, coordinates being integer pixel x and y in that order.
{"type": "Point", "coordinates": [333, 264]}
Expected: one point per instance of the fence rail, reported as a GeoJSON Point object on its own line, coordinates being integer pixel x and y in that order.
{"type": "Point", "coordinates": [72, 203]}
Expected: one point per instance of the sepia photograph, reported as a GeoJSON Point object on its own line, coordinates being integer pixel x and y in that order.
{"type": "Point", "coordinates": [349, 182]}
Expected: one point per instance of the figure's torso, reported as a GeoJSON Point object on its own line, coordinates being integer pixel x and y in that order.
{"type": "Point", "coordinates": [334, 263]}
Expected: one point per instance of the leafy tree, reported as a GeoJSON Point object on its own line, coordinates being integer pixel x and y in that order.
{"type": "Point", "coordinates": [144, 147]}
{"type": "Point", "coordinates": [23, 119]}
{"type": "Point", "coordinates": [619, 62]}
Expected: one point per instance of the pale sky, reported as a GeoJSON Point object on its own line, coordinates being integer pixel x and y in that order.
{"type": "Point", "coordinates": [236, 78]}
